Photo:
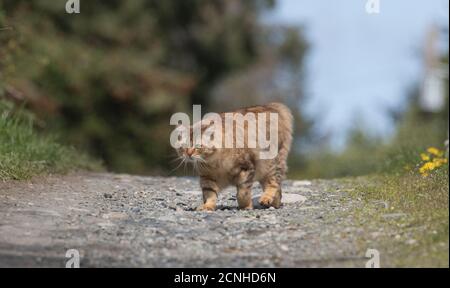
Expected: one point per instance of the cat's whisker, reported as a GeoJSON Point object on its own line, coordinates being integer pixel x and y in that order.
{"type": "Point", "coordinates": [175, 156]}
{"type": "Point", "coordinates": [202, 164]}
{"type": "Point", "coordinates": [178, 166]}
{"type": "Point", "coordinates": [176, 159]}
{"type": "Point", "coordinates": [194, 165]}
{"type": "Point", "coordinates": [184, 168]}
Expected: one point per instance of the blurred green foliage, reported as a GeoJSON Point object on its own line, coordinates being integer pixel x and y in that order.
{"type": "Point", "coordinates": [109, 78]}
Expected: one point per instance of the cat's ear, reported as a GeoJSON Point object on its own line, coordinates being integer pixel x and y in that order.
{"type": "Point", "coordinates": [180, 136]}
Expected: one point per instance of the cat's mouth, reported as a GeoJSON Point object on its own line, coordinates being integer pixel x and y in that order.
{"type": "Point", "coordinates": [194, 159]}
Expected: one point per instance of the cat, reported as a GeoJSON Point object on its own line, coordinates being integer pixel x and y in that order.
{"type": "Point", "coordinates": [219, 168]}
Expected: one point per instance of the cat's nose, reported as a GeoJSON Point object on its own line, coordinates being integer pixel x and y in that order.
{"type": "Point", "coordinates": [189, 152]}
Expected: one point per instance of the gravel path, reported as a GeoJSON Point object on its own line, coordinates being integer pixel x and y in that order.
{"type": "Point", "coordinates": [121, 220]}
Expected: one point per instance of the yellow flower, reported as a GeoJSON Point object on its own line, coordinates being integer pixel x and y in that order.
{"type": "Point", "coordinates": [424, 157]}
{"type": "Point", "coordinates": [438, 162]}
{"type": "Point", "coordinates": [433, 160]}
{"type": "Point", "coordinates": [429, 166]}
{"type": "Point", "coordinates": [435, 151]}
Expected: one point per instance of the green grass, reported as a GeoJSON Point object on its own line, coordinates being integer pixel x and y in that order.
{"type": "Point", "coordinates": [420, 238]}
{"type": "Point", "coordinates": [402, 213]}
{"type": "Point", "coordinates": [25, 153]}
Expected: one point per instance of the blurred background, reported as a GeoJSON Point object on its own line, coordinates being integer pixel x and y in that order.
{"type": "Point", "coordinates": [369, 90]}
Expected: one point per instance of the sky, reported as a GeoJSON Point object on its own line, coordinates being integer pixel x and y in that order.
{"type": "Point", "coordinates": [360, 64]}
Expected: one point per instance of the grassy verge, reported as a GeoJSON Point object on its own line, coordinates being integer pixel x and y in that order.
{"type": "Point", "coordinates": [24, 153]}
{"type": "Point", "coordinates": [405, 217]}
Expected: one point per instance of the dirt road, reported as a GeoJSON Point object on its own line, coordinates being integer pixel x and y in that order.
{"type": "Point", "coordinates": [129, 221]}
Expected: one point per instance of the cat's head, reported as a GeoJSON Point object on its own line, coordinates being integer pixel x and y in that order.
{"type": "Point", "coordinates": [190, 150]}
{"type": "Point", "coordinates": [196, 153]}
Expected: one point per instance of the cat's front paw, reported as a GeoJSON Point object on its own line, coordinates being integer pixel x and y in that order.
{"type": "Point", "coordinates": [269, 201]}
{"type": "Point", "coordinates": [206, 207]}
